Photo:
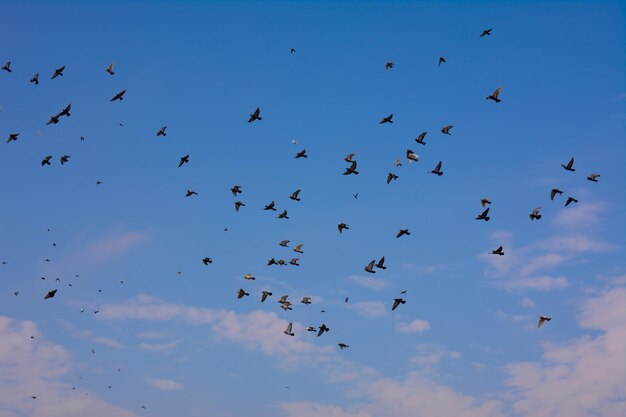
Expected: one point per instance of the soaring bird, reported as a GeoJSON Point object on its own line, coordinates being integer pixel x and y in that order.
{"type": "Point", "coordinates": [397, 163]}
{"type": "Point", "coordinates": [293, 51]}
{"type": "Point", "coordinates": [236, 190]}
{"type": "Point", "coordinates": [271, 261]}
{"type": "Point", "coordinates": [7, 67]}
{"type": "Point", "coordinates": [294, 195]}
{"type": "Point", "coordinates": [342, 346]}
{"type": "Point", "coordinates": [441, 60]}
{"type": "Point", "coordinates": [446, 130]}
{"type": "Point", "coordinates": [161, 131]}
{"type": "Point", "coordinates": [238, 204]}
{"type": "Point", "coordinates": [484, 215]}
{"type": "Point", "coordinates": [46, 160]}
{"type": "Point", "coordinates": [119, 96]}
{"type": "Point", "coordinates": [270, 206]}
{"type": "Point", "coordinates": [593, 177]}
{"type": "Point", "coordinates": [306, 300]}
{"type": "Point", "coordinates": [498, 251]}
{"type": "Point", "coordinates": [35, 79]}
{"type": "Point", "coordinates": [535, 214]}
{"type": "Point", "coordinates": [57, 72]}
{"type": "Point", "coordinates": [391, 177]}
{"type": "Point", "coordinates": [412, 156]}
{"type": "Point", "coordinates": [349, 157]}
{"type": "Point", "coordinates": [109, 69]}
{"type": "Point", "coordinates": [241, 293]}
{"type": "Point", "coordinates": [189, 193]}
{"type": "Point", "coordinates": [265, 294]}
{"type": "Point", "coordinates": [570, 200]}
{"type": "Point", "coordinates": [284, 243]}
{"type": "Point", "coordinates": [66, 111]}
{"type": "Point", "coordinates": [494, 95]}
{"type": "Point", "coordinates": [207, 260]}
{"type": "Point", "coordinates": [351, 169]}
{"type": "Point", "coordinates": [342, 226]}
{"type": "Point", "coordinates": [397, 302]}
{"type": "Point", "coordinates": [298, 248]}
{"type": "Point", "coordinates": [569, 166]}
{"type": "Point", "coordinates": [283, 299]}
{"type": "Point", "coordinates": [282, 215]}
{"type": "Point", "coordinates": [288, 331]}
{"type": "Point", "coordinates": [370, 267]}
{"type": "Point", "coordinates": [543, 319]}
{"type": "Point", "coordinates": [249, 277]}
{"type": "Point", "coordinates": [183, 160]}
{"type": "Point", "coordinates": [403, 232]}
{"type": "Point", "coordinates": [381, 263]}
{"type": "Point", "coordinates": [322, 329]}
{"type": "Point", "coordinates": [53, 120]}
{"type": "Point", "coordinates": [554, 192]}
{"type": "Point", "coordinates": [255, 116]}
{"type": "Point", "coordinates": [301, 154]}
{"type": "Point", "coordinates": [64, 159]}
{"type": "Point", "coordinates": [294, 261]}
{"type": "Point", "coordinates": [484, 201]}
{"type": "Point", "coordinates": [386, 119]}
{"type": "Point", "coordinates": [389, 65]}
{"type": "Point", "coordinates": [50, 294]}
{"type": "Point", "coordinates": [486, 32]}
{"type": "Point", "coordinates": [311, 329]}
{"type": "Point", "coordinates": [437, 170]}
{"type": "Point", "coordinates": [12, 137]}
{"type": "Point", "coordinates": [420, 138]}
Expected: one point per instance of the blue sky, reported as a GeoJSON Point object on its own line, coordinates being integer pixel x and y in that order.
{"type": "Point", "coordinates": [465, 342]}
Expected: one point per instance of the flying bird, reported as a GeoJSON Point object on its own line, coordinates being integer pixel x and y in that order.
{"type": "Point", "coordinates": [66, 111]}
{"type": "Point", "coordinates": [554, 192]}
{"type": "Point", "coordinates": [294, 261]}
{"type": "Point", "coordinates": [288, 331]}
{"type": "Point", "coordinates": [569, 166]}
{"type": "Point", "coordinates": [189, 193]}
{"type": "Point", "coordinates": [446, 130]}
{"type": "Point", "coordinates": [109, 69]}
{"type": "Point", "coordinates": [370, 267]}
{"type": "Point", "coordinates": [284, 243]}
{"type": "Point", "coordinates": [306, 300]}
{"type": "Point", "coordinates": [386, 119]}
{"type": "Point", "coordinates": [391, 177]}
{"type": "Point", "coordinates": [441, 60]}
{"type": "Point", "coordinates": [64, 159]}
{"type": "Point", "coordinates": [351, 169]}
{"type": "Point", "coordinates": [53, 120]}
{"type": "Point", "coordinates": [119, 96]}
{"type": "Point", "coordinates": [255, 116]}
{"type": "Point", "coordinates": [311, 329]}
{"type": "Point", "coordinates": [7, 67]}
{"type": "Point", "coordinates": [570, 200]}
{"type": "Point", "coordinates": [403, 232]}
{"type": "Point", "coordinates": [486, 32]}
{"type": "Point", "coordinates": [293, 51]}
{"type": "Point", "coordinates": [12, 137]}
{"type": "Point", "coordinates": [484, 202]}
{"type": "Point", "coordinates": [535, 214]}
{"type": "Point", "coordinates": [420, 138]}
{"type": "Point", "coordinates": [57, 72]}
{"type": "Point", "coordinates": [270, 206]}
{"type": "Point", "coordinates": [381, 263]}
{"type": "Point", "coordinates": [238, 204]}
{"type": "Point", "coordinates": [161, 131]}
{"type": "Point", "coordinates": [250, 277]}
{"type": "Point", "coordinates": [241, 293]}
{"type": "Point", "coordinates": [46, 160]}
{"type": "Point", "coordinates": [298, 248]}
{"type": "Point", "coordinates": [183, 160]}
{"type": "Point", "coordinates": [593, 177]}
{"type": "Point", "coordinates": [484, 215]}
{"type": "Point", "coordinates": [50, 294]}
{"type": "Point", "coordinates": [264, 295]}
{"type": "Point", "coordinates": [494, 95]}
{"type": "Point", "coordinates": [543, 319]}
{"type": "Point", "coordinates": [437, 170]}
{"type": "Point", "coordinates": [498, 251]}
{"type": "Point", "coordinates": [301, 154]}
{"type": "Point", "coordinates": [236, 190]}
{"type": "Point", "coordinates": [322, 329]}
{"type": "Point", "coordinates": [412, 156]}
{"type": "Point", "coordinates": [342, 346]}
{"type": "Point", "coordinates": [207, 260]}
{"type": "Point", "coordinates": [397, 302]}
{"type": "Point", "coordinates": [294, 196]}
{"type": "Point", "coordinates": [342, 226]}
{"type": "Point", "coordinates": [282, 215]}
{"type": "Point", "coordinates": [397, 163]}
{"type": "Point", "coordinates": [389, 65]}
{"type": "Point", "coordinates": [35, 79]}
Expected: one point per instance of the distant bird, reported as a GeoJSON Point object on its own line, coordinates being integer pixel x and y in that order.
{"type": "Point", "coordinates": [322, 329]}
{"type": "Point", "coordinates": [293, 51]}
{"type": "Point", "coordinates": [446, 130]}
{"type": "Point", "coordinates": [250, 277]}
{"type": "Point", "coordinates": [264, 295]}
{"type": "Point", "coordinates": [294, 142]}
{"type": "Point", "coordinates": [484, 215]}
{"type": "Point", "coordinates": [370, 267]}
{"type": "Point", "coordinates": [207, 260]}
{"type": "Point", "coordinates": [569, 166]}
{"type": "Point", "coordinates": [46, 160]}
{"type": "Point", "coordinates": [236, 190]}
{"type": "Point", "coordinates": [437, 170]}
{"type": "Point", "coordinates": [35, 79]}
{"type": "Point", "coordinates": [119, 96]}
{"type": "Point", "coordinates": [53, 120]}
{"type": "Point", "coordinates": [161, 131]}
{"type": "Point", "coordinates": [554, 192]}
{"type": "Point", "coordinates": [284, 243]}
{"type": "Point", "coordinates": [189, 193]}
{"type": "Point", "coordinates": [311, 329]}
{"type": "Point", "coordinates": [282, 215]}
{"type": "Point", "coordinates": [183, 160]}
{"type": "Point", "coordinates": [271, 261]}
{"type": "Point", "coordinates": [294, 261]}
{"type": "Point", "coordinates": [270, 206]}
{"type": "Point", "coordinates": [241, 293]}
{"type": "Point", "coordinates": [98, 182]}
{"type": "Point", "coordinates": [397, 163]}
{"type": "Point", "coordinates": [351, 169]}
{"type": "Point", "coordinates": [288, 331]}
{"type": "Point", "coordinates": [356, 196]}
{"type": "Point", "coordinates": [570, 200]}
{"type": "Point", "coordinates": [494, 95]}
{"type": "Point", "coordinates": [412, 156]}
{"type": "Point", "coordinates": [391, 177]}
{"type": "Point", "coordinates": [420, 138]}
{"type": "Point", "coordinates": [543, 319]}
{"type": "Point", "coordinates": [12, 137]}
{"type": "Point", "coordinates": [389, 65]}
{"type": "Point", "coordinates": [66, 111]}
{"type": "Point", "coordinates": [397, 302]}
{"type": "Point", "coordinates": [535, 214]}
{"type": "Point", "coordinates": [381, 263]}
{"type": "Point", "coordinates": [342, 226]}
{"type": "Point", "coordinates": [7, 67]}
{"type": "Point", "coordinates": [50, 294]}
{"type": "Point", "coordinates": [57, 72]}
{"type": "Point", "coordinates": [301, 154]}
{"type": "Point", "coordinates": [386, 119]}
{"type": "Point", "coordinates": [342, 346]}
{"type": "Point", "coordinates": [298, 248]}
{"type": "Point", "coordinates": [441, 60]}
{"type": "Point", "coordinates": [345, 300]}
{"type": "Point", "coordinates": [486, 32]}
{"type": "Point", "coordinates": [349, 157]}
{"type": "Point", "coordinates": [255, 116]}
{"type": "Point", "coordinates": [283, 299]}
{"type": "Point", "coordinates": [238, 204]}
{"type": "Point", "coordinates": [306, 300]}
{"type": "Point", "coordinates": [109, 69]}
{"type": "Point", "coordinates": [484, 202]}
{"type": "Point", "coordinates": [403, 232]}
{"type": "Point", "coordinates": [593, 177]}
{"type": "Point", "coordinates": [403, 292]}
{"type": "Point", "coordinates": [64, 159]}
{"type": "Point", "coordinates": [498, 251]}
{"type": "Point", "coordinates": [286, 306]}
{"type": "Point", "coordinates": [294, 195]}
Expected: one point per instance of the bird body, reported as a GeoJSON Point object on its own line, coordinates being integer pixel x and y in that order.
{"type": "Point", "coordinates": [446, 130]}
{"type": "Point", "coordinates": [535, 214]}
{"type": "Point", "coordinates": [387, 119]}
{"type": "Point", "coordinates": [294, 196]}
{"type": "Point", "coordinates": [554, 192]}
{"type": "Point", "coordinates": [569, 166]}
{"type": "Point", "coordinates": [391, 177]}
{"type": "Point", "coordinates": [322, 329]}
{"type": "Point", "coordinates": [437, 170]}
{"type": "Point", "coordinates": [403, 232]}
{"type": "Point", "coordinates": [255, 116]}
{"type": "Point", "coordinates": [543, 319]}
{"type": "Point", "coordinates": [161, 131]}
{"type": "Point", "coordinates": [397, 302]}
{"type": "Point", "coordinates": [593, 177]}
{"type": "Point", "coordinates": [420, 138]}
{"type": "Point", "coordinates": [370, 267]}
{"type": "Point", "coordinates": [289, 330]}
{"type": "Point", "coordinates": [484, 215]}
{"type": "Point", "coordinates": [119, 96]}
{"type": "Point", "coordinates": [57, 72]}
{"type": "Point", "coordinates": [498, 251]}
{"type": "Point", "coordinates": [494, 96]}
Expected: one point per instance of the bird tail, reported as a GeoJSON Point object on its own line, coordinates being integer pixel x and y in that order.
{"type": "Point", "coordinates": [487, 218]}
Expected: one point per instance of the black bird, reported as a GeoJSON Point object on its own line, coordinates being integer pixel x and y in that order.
{"type": "Point", "coordinates": [264, 295]}
{"type": "Point", "coordinates": [370, 267]}
{"type": "Point", "coordinates": [236, 190]}
{"type": "Point", "coordinates": [7, 67]}
{"type": "Point", "coordinates": [386, 119]}
{"type": "Point", "coordinates": [543, 319]}
{"type": "Point", "coordinates": [255, 116]}
{"type": "Point", "coordinates": [189, 193]}
{"type": "Point", "coordinates": [57, 72]}
{"type": "Point", "coordinates": [498, 251]}
{"type": "Point", "coordinates": [437, 170]}
{"type": "Point", "coordinates": [294, 261]}
{"type": "Point", "coordinates": [161, 131]}
{"type": "Point", "coordinates": [441, 60]}
{"type": "Point", "coordinates": [301, 154]}
{"type": "Point", "coordinates": [282, 215]}
{"type": "Point", "coordinates": [53, 120]}
{"type": "Point", "coordinates": [342, 346]}
{"type": "Point", "coordinates": [207, 260]}
{"type": "Point", "coordinates": [391, 176]}
{"type": "Point", "coordinates": [397, 302]}
{"type": "Point", "coordinates": [484, 201]}
{"type": "Point", "coordinates": [322, 329]}
{"type": "Point", "coordinates": [570, 200]}
{"type": "Point", "coordinates": [351, 169]}
{"type": "Point", "coordinates": [119, 96]}
{"type": "Point", "coordinates": [535, 214]}
{"type": "Point", "coordinates": [12, 137]}
{"type": "Point", "coordinates": [293, 51]}
{"type": "Point", "coordinates": [35, 79]}
{"type": "Point", "coordinates": [183, 160]}
{"type": "Point", "coordinates": [593, 177]}
{"type": "Point", "coordinates": [446, 130]}
{"type": "Point", "coordinates": [66, 111]}
{"type": "Point", "coordinates": [420, 138]}
{"type": "Point", "coordinates": [284, 243]}
{"type": "Point", "coordinates": [50, 294]}
{"type": "Point", "coordinates": [389, 65]}
{"type": "Point", "coordinates": [554, 192]}
{"type": "Point", "coordinates": [46, 160]}
{"type": "Point", "coordinates": [109, 69]}
{"type": "Point", "coordinates": [64, 159]}
{"type": "Point", "coordinates": [381, 263]}
{"type": "Point", "coordinates": [484, 215]}
{"type": "Point", "coordinates": [241, 293]}
{"type": "Point", "coordinates": [238, 204]}
{"type": "Point", "coordinates": [294, 196]}
{"type": "Point", "coordinates": [270, 206]}
{"type": "Point", "coordinates": [403, 232]}
{"type": "Point", "coordinates": [342, 226]}
{"type": "Point", "coordinates": [494, 95]}
{"type": "Point", "coordinates": [569, 166]}
{"type": "Point", "coordinates": [486, 32]}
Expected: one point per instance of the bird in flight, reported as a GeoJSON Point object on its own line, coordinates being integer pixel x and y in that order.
{"type": "Point", "coordinates": [397, 302]}
{"type": "Point", "coordinates": [298, 248]}
{"type": "Point", "coordinates": [391, 177]}
{"type": "Point", "coordinates": [35, 79]}
{"type": "Point", "coordinates": [282, 215]}
{"type": "Point", "coordinates": [183, 160]}
{"type": "Point", "coordinates": [381, 263]}
{"type": "Point", "coordinates": [284, 243]}
{"type": "Point", "coordinates": [441, 60]}
{"type": "Point", "coordinates": [294, 196]}
{"type": "Point", "coordinates": [554, 192]}
{"type": "Point", "coordinates": [484, 215]}
{"type": "Point", "coordinates": [109, 69]}
{"type": "Point", "coordinates": [349, 157]}
{"type": "Point", "coordinates": [351, 169]}
{"type": "Point", "coordinates": [46, 160]}
{"type": "Point", "coordinates": [241, 293]}
{"type": "Point", "coordinates": [50, 294]}
{"type": "Point", "coordinates": [66, 111]}
{"type": "Point", "coordinates": [119, 96]}
{"type": "Point", "coordinates": [420, 138]}
{"type": "Point", "coordinates": [446, 130]}
{"type": "Point", "coordinates": [389, 65]}
{"type": "Point", "coordinates": [161, 131]}
{"type": "Point", "coordinates": [207, 260]}
{"type": "Point", "coordinates": [386, 119]}
{"type": "Point", "coordinates": [484, 202]}
{"type": "Point", "coordinates": [301, 154]}
{"type": "Point", "coordinates": [238, 204]}
{"type": "Point", "coordinates": [255, 116]}
{"type": "Point", "coordinates": [543, 319]}
{"type": "Point", "coordinates": [437, 170]}
{"type": "Point", "coordinates": [236, 190]}
{"type": "Point", "coordinates": [270, 206]}
{"type": "Point", "coordinates": [306, 300]}
{"type": "Point", "coordinates": [570, 200]}
{"type": "Point", "coordinates": [249, 277]}
{"type": "Point", "coordinates": [264, 295]}
{"type": "Point", "coordinates": [288, 331]}
{"type": "Point", "coordinates": [498, 251]}
{"type": "Point", "coordinates": [593, 177]}
{"type": "Point", "coordinates": [7, 67]}
{"type": "Point", "coordinates": [57, 72]}
{"type": "Point", "coordinates": [535, 214]}
{"type": "Point", "coordinates": [342, 346]}
{"type": "Point", "coordinates": [486, 32]}
{"type": "Point", "coordinates": [342, 226]}
{"type": "Point", "coordinates": [64, 159]}
{"type": "Point", "coordinates": [12, 137]}
{"type": "Point", "coordinates": [403, 232]}
{"type": "Point", "coordinates": [412, 156]}
{"type": "Point", "coordinates": [293, 51]}
{"type": "Point", "coordinates": [322, 329]}
{"type": "Point", "coordinates": [494, 95]}
{"type": "Point", "coordinates": [370, 267]}
{"type": "Point", "coordinates": [569, 166]}
{"type": "Point", "coordinates": [53, 120]}
{"type": "Point", "coordinates": [189, 193]}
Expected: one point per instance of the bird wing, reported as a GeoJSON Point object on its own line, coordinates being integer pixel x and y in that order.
{"type": "Point", "coordinates": [496, 93]}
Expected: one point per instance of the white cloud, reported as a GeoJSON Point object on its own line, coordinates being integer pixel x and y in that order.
{"type": "Point", "coordinates": [165, 384]}
{"type": "Point", "coordinates": [582, 215]}
{"type": "Point", "coordinates": [369, 282]}
{"type": "Point", "coordinates": [527, 302]}
{"type": "Point", "coordinates": [416, 326]}
{"type": "Point", "coordinates": [370, 308]}
{"type": "Point", "coordinates": [538, 283]}
{"type": "Point", "coordinates": [158, 347]}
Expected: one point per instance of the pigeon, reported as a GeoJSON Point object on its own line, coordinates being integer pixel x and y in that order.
{"type": "Point", "coordinates": [119, 96]}
{"type": "Point", "coordinates": [283, 299]}
{"type": "Point", "coordinates": [342, 226]}
{"type": "Point", "coordinates": [298, 248]}
{"type": "Point", "coordinates": [294, 196]}
{"type": "Point", "coordinates": [50, 294]}
{"type": "Point", "coordinates": [349, 157]}
{"type": "Point", "coordinates": [7, 67]}
{"type": "Point", "coordinates": [420, 138]}
{"type": "Point", "coordinates": [12, 137]}
{"type": "Point", "coordinates": [183, 160]}
{"type": "Point", "coordinates": [286, 306]}
{"type": "Point", "coordinates": [381, 263]}
{"type": "Point", "coordinates": [293, 51]}
{"type": "Point", "coordinates": [412, 156]}
{"type": "Point", "coordinates": [255, 116]}
{"type": "Point", "coordinates": [391, 177]}
{"type": "Point", "coordinates": [288, 331]}
{"type": "Point", "coordinates": [494, 95]}
{"type": "Point", "coordinates": [241, 293]}
{"type": "Point", "coordinates": [301, 154]}
{"type": "Point", "coordinates": [535, 214]}
{"type": "Point", "coordinates": [238, 204]}
{"type": "Point", "coordinates": [397, 302]}
{"type": "Point", "coordinates": [342, 346]}
{"type": "Point", "coordinates": [236, 190]}
{"type": "Point", "coordinates": [484, 215]}
{"type": "Point", "coordinates": [554, 192]}
{"type": "Point", "coordinates": [397, 163]}
{"type": "Point", "coordinates": [570, 200]}
{"type": "Point", "coordinates": [306, 300]}
{"type": "Point", "coordinates": [35, 79]}
{"type": "Point", "coordinates": [486, 32]}
{"type": "Point", "coordinates": [271, 261]}
{"type": "Point", "coordinates": [64, 159]}
{"type": "Point", "coordinates": [161, 131]}
{"type": "Point", "coordinates": [386, 119]}
{"type": "Point", "coordinates": [593, 177]}
{"type": "Point", "coordinates": [284, 243]}
{"type": "Point", "coordinates": [484, 201]}
{"type": "Point", "coordinates": [57, 72]}
{"type": "Point", "coordinates": [264, 295]}
{"type": "Point", "coordinates": [389, 65]}
{"type": "Point", "coordinates": [189, 193]}
{"type": "Point", "coordinates": [437, 169]}
{"type": "Point", "coordinates": [569, 166]}
{"type": "Point", "coordinates": [403, 232]}
{"type": "Point", "coordinates": [441, 60]}
{"type": "Point", "coordinates": [311, 329]}
{"type": "Point", "coordinates": [322, 329]}
{"type": "Point", "coordinates": [46, 160]}
{"type": "Point", "coordinates": [250, 277]}
{"type": "Point", "coordinates": [345, 300]}
{"type": "Point", "coordinates": [109, 69]}
{"type": "Point", "coordinates": [207, 260]}
{"type": "Point", "coordinates": [446, 130]}
{"type": "Point", "coordinates": [356, 196]}
{"type": "Point", "coordinates": [543, 319]}
{"type": "Point", "coordinates": [66, 111]}
{"type": "Point", "coordinates": [370, 267]}
{"type": "Point", "coordinates": [294, 261]}
{"type": "Point", "coordinates": [498, 251]}
{"type": "Point", "coordinates": [270, 206]}
{"type": "Point", "coordinates": [351, 169]}
{"type": "Point", "coordinates": [282, 215]}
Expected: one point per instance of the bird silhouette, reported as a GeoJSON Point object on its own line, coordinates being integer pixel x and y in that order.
{"type": "Point", "coordinates": [397, 302]}
{"type": "Point", "coordinates": [288, 331]}
{"type": "Point", "coordinates": [484, 215]}
{"type": "Point", "coordinates": [183, 160]}
{"type": "Point", "coordinates": [570, 200]}
{"type": "Point", "coordinates": [161, 131]}
{"type": "Point", "coordinates": [543, 319]}
{"type": "Point", "coordinates": [494, 96]}
{"type": "Point", "coordinates": [569, 166]}
{"type": "Point", "coordinates": [420, 138]}
{"type": "Point", "coordinates": [446, 130]}
{"type": "Point", "coordinates": [554, 192]}
{"type": "Point", "coordinates": [255, 116]}
{"type": "Point", "coordinates": [593, 177]}
{"type": "Point", "coordinates": [119, 96]}
{"type": "Point", "coordinates": [386, 119]}
{"type": "Point", "coordinates": [109, 69]}
{"type": "Point", "coordinates": [498, 251]}
{"type": "Point", "coordinates": [57, 72]}
{"type": "Point", "coordinates": [486, 32]}
{"type": "Point", "coordinates": [437, 170]}
{"type": "Point", "coordinates": [535, 214]}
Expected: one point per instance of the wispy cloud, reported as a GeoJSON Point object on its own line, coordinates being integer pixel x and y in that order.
{"type": "Point", "coordinates": [115, 244]}
{"type": "Point", "coordinates": [369, 282]}
{"type": "Point", "coordinates": [416, 326]}
{"type": "Point", "coordinates": [165, 384]}
{"type": "Point", "coordinates": [369, 308]}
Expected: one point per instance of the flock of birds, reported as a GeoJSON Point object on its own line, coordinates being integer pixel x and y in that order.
{"type": "Point", "coordinates": [351, 169]}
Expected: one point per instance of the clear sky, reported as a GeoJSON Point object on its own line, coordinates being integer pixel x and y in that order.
{"type": "Point", "coordinates": [170, 333]}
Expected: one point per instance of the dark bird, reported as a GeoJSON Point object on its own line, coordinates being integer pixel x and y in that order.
{"type": "Point", "coordinates": [412, 156]}
{"type": "Point", "coordinates": [322, 329]}
{"type": "Point", "coordinates": [50, 294]}
{"type": "Point", "coordinates": [484, 215]}
{"type": "Point", "coordinates": [381, 263]}
{"type": "Point", "coordinates": [207, 260]}
{"type": "Point", "coordinates": [391, 177]}
{"type": "Point", "coordinates": [437, 170]}
{"type": "Point", "coordinates": [311, 329]}
{"type": "Point", "coordinates": [593, 177]}
{"type": "Point", "coordinates": [569, 166]}
{"type": "Point", "coordinates": [271, 261]}
{"type": "Point", "coordinates": [57, 72]}
{"type": "Point", "coordinates": [351, 169]}
{"type": "Point", "coordinates": [64, 159]}
{"type": "Point", "coordinates": [249, 277]}
{"type": "Point", "coordinates": [294, 196]}
{"type": "Point", "coordinates": [255, 116]}
{"type": "Point", "coordinates": [238, 204]}
{"type": "Point", "coordinates": [298, 248]}
{"type": "Point", "coordinates": [345, 300]}
{"type": "Point", "coordinates": [554, 192]}
{"type": "Point", "coordinates": [306, 300]}
{"type": "Point", "coordinates": [236, 190]}
{"type": "Point", "coordinates": [265, 294]}
{"type": "Point", "coordinates": [109, 69]}
{"type": "Point", "coordinates": [484, 201]}
{"type": "Point", "coordinates": [389, 65]}
{"type": "Point", "coordinates": [342, 226]}
{"type": "Point", "coordinates": [270, 206]}
{"type": "Point", "coordinates": [284, 243]}
{"type": "Point", "coordinates": [494, 95]}
{"type": "Point", "coordinates": [403, 232]}
{"type": "Point", "coordinates": [282, 215]}
{"type": "Point", "coordinates": [12, 137]}
{"type": "Point", "coordinates": [543, 319]}
{"type": "Point", "coordinates": [7, 67]}
{"type": "Point", "coordinates": [441, 60]}
{"type": "Point", "coordinates": [119, 96]}
{"type": "Point", "coordinates": [420, 138]}
{"type": "Point", "coordinates": [498, 251]}
{"type": "Point", "coordinates": [486, 32]}
{"type": "Point", "coordinates": [570, 200]}
{"type": "Point", "coordinates": [241, 293]}
{"type": "Point", "coordinates": [294, 261]}
{"type": "Point", "coordinates": [53, 120]}
{"type": "Point", "coordinates": [183, 160]}
{"type": "Point", "coordinates": [403, 292]}
{"type": "Point", "coordinates": [386, 119]}
{"type": "Point", "coordinates": [35, 79]}
{"type": "Point", "coordinates": [342, 346]}
{"type": "Point", "coordinates": [356, 196]}
{"type": "Point", "coordinates": [288, 331]}
{"type": "Point", "coordinates": [370, 267]}
{"type": "Point", "coordinates": [535, 214]}
{"type": "Point", "coordinates": [293, 51]}
{"type": "Point", "coordinates": [46, 160]}
{"type": "Point", "coordinates": [301, 154]}
{"type": "Point", "coordinates": [161, 131]}
{"type": "Point", "coordinates": [349, 157]}
{"type": "Point", "coordinates": [397, 302]}
{"type": "Point", "coordinates": [66, 111]}
{"type": "Point", "coordinates": [446, 130]}
{"type": "Point", "coordinates": [189, 193]}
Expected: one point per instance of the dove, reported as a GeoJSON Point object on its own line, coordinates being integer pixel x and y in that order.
{"type": "Point", "coordinates": [12, 137]}
{"type": "Point", "coordinates": [294, 261]}
{"type": "Point", "coordinates": [386, 119]}
{"type": "Point", "coordinates": [161, 131]}
{"type": "Point", "coordinates": [270, 206]}
{"type": "Point", "coordinates": [284, 243]}
{"type": "Point", "coordinates": [322, 329]}
{"type": "Point", "coordinates": [593, 177]}
{"type": "Point", "coordinates": [391, 177]}
{"type": "Point", "coordinates": [484, 215]}
{"type": "Point", "coordinates": [484, 201]}
{"type": "Point", "coordinates": [342, 346]}
{"type": "Point", "coordinates": [441, 60]}
{"type": "Point", "coordinates": [239, 204]}
{"type": "Point", "coordinates": [236, 190]}
{"type": "Point", "coordinates": [397, 302]}
{"type": "Point", "coordinates": [381, 263]}
{"type": "Point", "coordinates": [437, 170]}
{"type": "Point", "coordinates": [50, 294]}
{"type": "Point", "coordinates": [288, 331]}
{"type": "Point", "coordinates": [264, 295]}
{"type": "Point", "coordinates": [109, 69]}
{"type": "Point", "coordinates": [119, 96]}
{"type": "Point", "coordinates": [570, 200]}
{"type": "Point", "coordinates": [301, 154]}
{"type": "Point", "coordinates": [494, 96]}
{"type": "Point", "coordinates": [446, 130]}
{"type": "Point", "coordinates": [189, 193]}
{"type": "Point", "coordinates": [351, 169]}
{"type": "Point", "coordinates": [183, 160]}
{"type": "Point", "coordinates": [389, 65]}
{"type": "Point", "coordinates": [535, 214]}
{"type": "Point", "coordinates": [554, 192]}
{"type": "Point", "coordinates": [543, 319]}
{"type": "Point", "coordinates": [64, 159]}
{"type": "Point", "coordinates": [57, 72]}
{"type": "Point", "coordinates": [498, 251]}
{"type": "Point", "coordinates": [241, 293]}
{"type": "Point", "coordinates": [7, 67]}
{"type": "Point", "coordinates": [349, 157]}
{"type": "Point", "coordinates": [486, 32]}
{"type": "Point", "coordinates": [46, 160]}
{"type": "Point", "coordinates": [282, 215]}
{"type": "Point", "coordinates": [342, 226]}
{"type": "Point", "coordinates": [420, 138]}
{"type": "Point", "coordinates": [298, 248]}
{"type": "Point", "coordinates": [403, 232]}
{"type": "Point", "coordinates": [249, 277]}
{"type": "Point", "coordinates": [569, 166]}
{"type": "Point", "coordinates": [294, 196]}
{"type": "Point", "coordinates": [412, 156]}
{"type": "Point", "coordinates": [370, 267]}
{"type": "Point", "coordinates": [306, 300]}
{"type": "Point", "coordinates": [207, 260]}
{"type": "Point", "coordinates": [35, 79]}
